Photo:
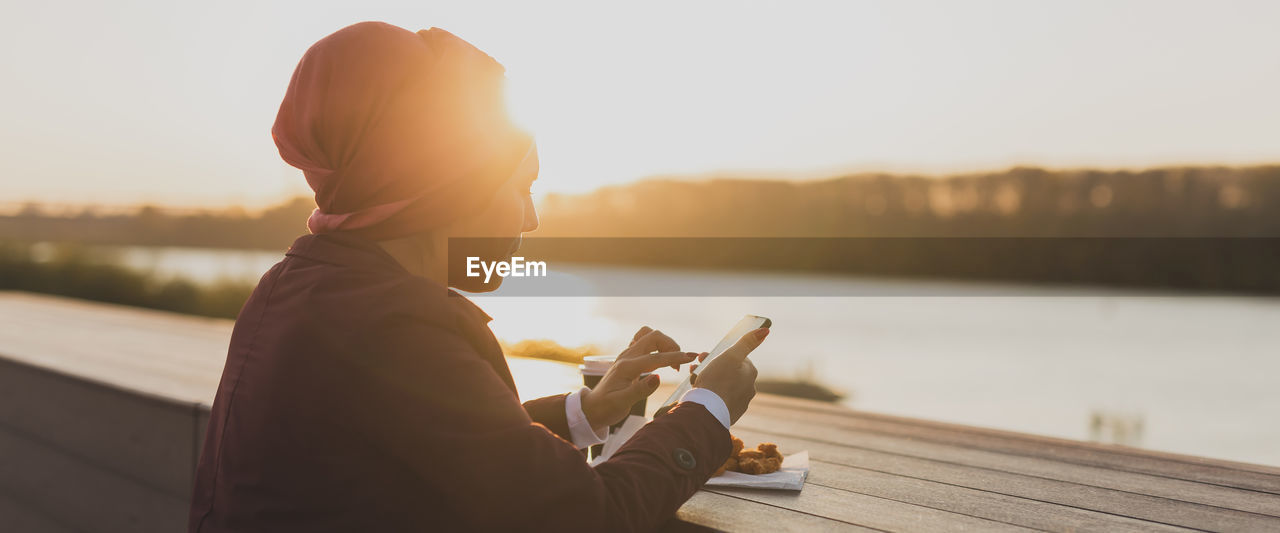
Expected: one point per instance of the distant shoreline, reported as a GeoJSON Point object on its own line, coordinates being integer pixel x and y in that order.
{"type": "Point", "coordinates": [1188, 228]}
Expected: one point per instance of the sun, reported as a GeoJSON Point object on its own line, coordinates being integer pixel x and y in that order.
{"type": "Point", "coordinates": [520, 110]}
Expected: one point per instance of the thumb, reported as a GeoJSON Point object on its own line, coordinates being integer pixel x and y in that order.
{"type": "Point", "coordinates": [643, 387]}
{"type": "Point", "coordinates": [741, 349]}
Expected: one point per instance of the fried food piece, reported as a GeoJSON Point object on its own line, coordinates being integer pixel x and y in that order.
{"type": "Point", "coordinates": [757, 466]}
{"type": "Point", "coordinates": [753, 466]}
{"type": "Point", "coordinates": [772, 457]}
{"type": "Point", "coordinates": [764, 459]}
{"type": "Point", "coordinates": [730, 464]}
{"type": "Point", "coordinates": [770, 450]}
{"type": "Point", "coordinates": [751, 462]}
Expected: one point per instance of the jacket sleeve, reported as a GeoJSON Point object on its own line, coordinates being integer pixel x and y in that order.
{"type": "Point", "coordinates": [550, 412]}
{"type": "Point", "coordinates": [435, 406]}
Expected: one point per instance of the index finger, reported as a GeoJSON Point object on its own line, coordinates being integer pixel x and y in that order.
{"type": "Point", "coordinates": [637, 365]}
{"type": "Point", "coordinates": [644, 330]}
{"type": "Point", "coordinates": [654, 341]}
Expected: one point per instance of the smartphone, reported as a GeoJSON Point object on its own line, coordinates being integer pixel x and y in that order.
{"type": "Point", "coordinates": [747, 323]}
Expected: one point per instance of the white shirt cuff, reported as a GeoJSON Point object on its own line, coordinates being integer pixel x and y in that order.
{"type": "Point", "coordinates": [711, 401]}
{"type": "Point", "coordinates": [584, 436]}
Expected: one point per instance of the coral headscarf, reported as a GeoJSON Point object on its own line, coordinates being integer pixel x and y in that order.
{"type": "Point", "coordinates": [398, 132]}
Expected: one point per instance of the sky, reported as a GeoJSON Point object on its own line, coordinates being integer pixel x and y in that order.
{"type": "Point", "coordinates": [172, 102]}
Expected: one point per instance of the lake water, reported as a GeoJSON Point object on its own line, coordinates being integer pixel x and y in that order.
{"type": "Point", "coordinates": [1187, 374]}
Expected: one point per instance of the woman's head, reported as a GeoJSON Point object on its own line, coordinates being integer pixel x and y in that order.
{"type": "Point", "coordinates": [397, 132]}
{"type": "Point", "coordinates": [406, 135]}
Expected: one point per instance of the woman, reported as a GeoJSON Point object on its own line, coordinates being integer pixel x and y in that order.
{"type": "Point", "coordinates": [361, 393]}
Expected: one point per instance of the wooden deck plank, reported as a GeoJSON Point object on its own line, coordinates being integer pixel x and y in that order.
{"type": "Point", "coordinates": [139, 437]}
{"type": "Point", "coordinates": [20, 517]}
{"type": "Point", "coordinates": [958, 499]}
{"type": "Point", "coordinates": [165, 354]}
{"type": "Point", "coordinates": [60, 310]}
{"type": "Point", "coordinates": [1164, 457]}
{"type": "Point", "coordinates": [729, 513]}
{"type": "Point", "coordinates": [1250, 476]}
{"type": "Point", "coordinates": [1256, 489]}
{"type": "Point", "coordinates": [1120, 503]}
{"type": "Point", "coordinates": [867, 511]}
{"type": "Point", "coordinates": [81, 495]}
{"type": "Point", "coordinates": [833, 429]}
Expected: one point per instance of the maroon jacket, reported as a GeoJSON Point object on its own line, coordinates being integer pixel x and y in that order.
{"type": "Point", "coordinates": [358, 397]}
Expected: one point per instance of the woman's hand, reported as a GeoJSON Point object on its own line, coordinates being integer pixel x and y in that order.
{"type": "Point", "coordinates": [732, 376]}
{"type": "Point", "coordinates": [621, 387]}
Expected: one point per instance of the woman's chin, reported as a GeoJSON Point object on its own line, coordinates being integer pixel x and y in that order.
{"type": "Point", "coordinates": [477, 285]}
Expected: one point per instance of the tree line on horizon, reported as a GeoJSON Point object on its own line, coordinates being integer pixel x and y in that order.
{"type": "Point", "coordinates": [1175, 202]}
{"type": "Point", "coordinates": [1019, 202]}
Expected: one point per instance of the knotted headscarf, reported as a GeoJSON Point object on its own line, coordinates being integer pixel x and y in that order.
{"type": "Point", "coordinates": [398, 132]}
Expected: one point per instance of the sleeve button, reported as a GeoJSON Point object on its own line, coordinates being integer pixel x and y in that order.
{"type": "Point", "coordinates": [684, 458]}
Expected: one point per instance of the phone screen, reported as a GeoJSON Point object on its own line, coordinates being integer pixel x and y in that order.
{"type": "Point", "coordinates": [747, 323]}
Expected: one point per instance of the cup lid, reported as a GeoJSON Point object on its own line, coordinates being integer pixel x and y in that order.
{"type": "Point", "coordinates": [593, 364]}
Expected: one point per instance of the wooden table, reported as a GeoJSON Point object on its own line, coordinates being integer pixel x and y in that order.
{"type": "Point", "coordinates": [103, 407]}
{"type": "Point", "coordinates": [876, 472]}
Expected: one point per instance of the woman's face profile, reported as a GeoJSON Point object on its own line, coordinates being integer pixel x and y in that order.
{"type": "Point", "coordinates": [510, 213]}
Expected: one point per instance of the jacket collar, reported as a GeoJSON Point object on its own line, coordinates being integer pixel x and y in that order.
{"type": "Point", "coordinates": [344, 249]}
